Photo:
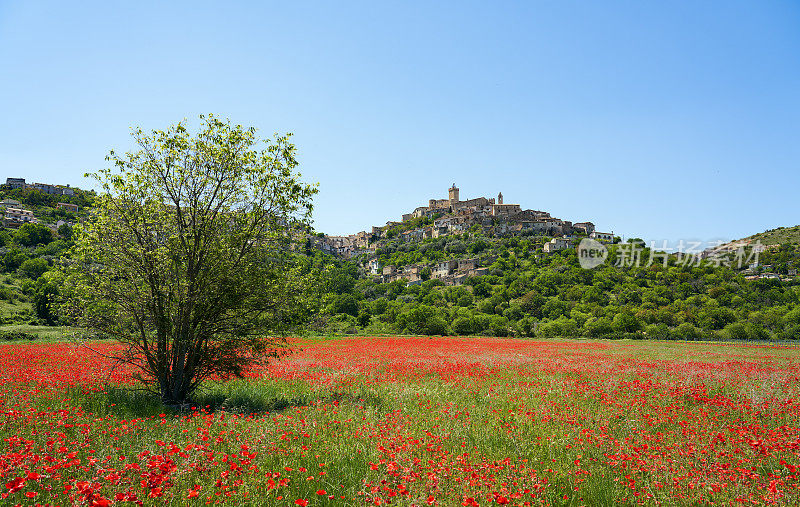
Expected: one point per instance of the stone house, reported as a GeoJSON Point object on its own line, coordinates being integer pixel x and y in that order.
{"type": "Point", "coordinates": [472, 204]}
{"type": "Point", "coordinates": [16, 182]}
{"type": "Point", "coordinates": [438, 232]}
{"type": "Point", "coordinates": [605, 237]}
{"type": "Point", "coordinates": [67, 207]}
{"type": "Point", "coordinates": [479, 272]}
{"type": "Point", "coordinates": [504, 209]}
{"type": "Point", "coordinates": [374, 266]}
{"type": "Point", "coordinates": [444, 268]}
{"type": "Point", "coordinates": [460, 278]}
{"type": "Point", "coordinates": [14, 217]}
{"type": "Point", "coordinates": [583, 227]}
{"type": "Point", "coordinates": [467, 264]}
{"type": "Point", "coordinates": [46, 188]}
{"type": "Point", "coordinates": [412, 273]}
{"type": "Point", "coordinates": [556, 244]}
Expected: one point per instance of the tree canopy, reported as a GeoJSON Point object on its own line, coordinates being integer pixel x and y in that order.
{"type": "Point", "coordinates": [188, 256]}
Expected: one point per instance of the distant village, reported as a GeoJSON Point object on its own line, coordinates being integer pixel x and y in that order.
{"type": "Point", "coordinates": [14, 215]}
{"type": "Point", "coordinates": [448, 216]}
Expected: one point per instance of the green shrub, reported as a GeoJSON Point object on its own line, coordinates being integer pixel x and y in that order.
{"type": "Point", "coordinates": [687, 331]}
{"type": "Point", "coordinates": [33, 268]}
{"type": "Point", "coordinates": [735, 331]}
{"type": "Point", "coordinates": [16, 335]}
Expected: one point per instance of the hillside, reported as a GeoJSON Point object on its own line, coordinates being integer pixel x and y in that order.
{"type": "Point", "coordinates": [512, 286]}
{"type": "Point", "coordinates": [779, 236]}
{"type": "Point", "coordinates": [36, 231]}
{"type": "Point", "coordinates": [482, 278]}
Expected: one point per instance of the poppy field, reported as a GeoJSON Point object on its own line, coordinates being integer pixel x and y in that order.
{"type": "Point", "coordinates": [412, 421]}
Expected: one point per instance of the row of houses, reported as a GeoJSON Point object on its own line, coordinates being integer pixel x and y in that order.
{"type": "Point", "coordinates": [772, 276]}
{"type": "Point", "coordinates": [451, 272]}
{"type": "Point", "coordinates": [528, 221]}
{"type": "Point", "coordinates": [14, 215]}
{"type": "Point", "coordinates": [46, 188]}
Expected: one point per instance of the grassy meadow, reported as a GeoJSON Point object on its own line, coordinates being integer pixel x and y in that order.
{"type": "Point", "coordinates": [412, 421]}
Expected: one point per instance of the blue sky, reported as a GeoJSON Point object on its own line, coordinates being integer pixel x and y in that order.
{"type": "Point", "coordinates": [670, 120]}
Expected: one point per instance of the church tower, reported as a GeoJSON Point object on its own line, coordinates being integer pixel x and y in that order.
{"type": "Point", "coordinates": [500, 198]}
{"type": "Point", "coordinates": [453, 194]}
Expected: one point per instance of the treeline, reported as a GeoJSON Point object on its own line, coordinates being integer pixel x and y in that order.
{"type": "Point", "coordinates": [529, 293]}
{"type": "Point", "coordinates": [525, 293]}
{"type": "Point", "coordinates": [34, 197]}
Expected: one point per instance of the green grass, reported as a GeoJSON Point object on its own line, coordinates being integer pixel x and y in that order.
{"type": "Point", "coordinates": [45, 333]}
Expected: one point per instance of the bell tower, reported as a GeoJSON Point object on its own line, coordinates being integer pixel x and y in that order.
{"type": "Point", "coordinates": [453, 194]}
{"type": "Point", "coordinates": [500, 198]}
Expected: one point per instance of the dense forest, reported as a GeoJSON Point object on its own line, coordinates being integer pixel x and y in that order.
{"type": "Point", "coordinates": [525, 292]}
{"type": "Point", "coordinates": [529, 293]}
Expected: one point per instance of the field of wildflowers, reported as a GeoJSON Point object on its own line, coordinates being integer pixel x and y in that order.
{"type": "Point", "coordinates": [413, 421]}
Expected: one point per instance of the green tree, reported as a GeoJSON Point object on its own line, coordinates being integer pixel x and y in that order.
{"type": "Point", "coordinates": [464, 326]}
{"type": "Point", "coordinates": [65, 231]}
{"type": "Point", "coordinates": [187, 260]}
{"type": "Point", "coordinates": [13, 259]}
{"type": "Point", "coordinates": [33, 268]}
{"type": "Point", "coordinates": [626, 322]}
{"type": "Point", "coordinates": [45, 292]}
{"type": "Point", "coordinates": [482, 289]}
{"type": "Point", "coordinates": [32, 235]}
{"type": "Point", "coordinates": [344, 303]}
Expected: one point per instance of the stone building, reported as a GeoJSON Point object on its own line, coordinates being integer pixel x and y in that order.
{"type": "Point", "coordinates": [14, 217]}
{"type": "Point", "coordinates": [504, 209]}
{"type": "Point", "coordinates": [556, 244]}
{"type": "Point", "coordinates": [67, 207]}
{"type": "Point", "coordinates": [583, 227]}
{"type": "Point", "coordinates": [605, 237]}
{"type": "Point", "coordinates": [15, 182]}
{"type": "Point", "coordinates": [453, 194]}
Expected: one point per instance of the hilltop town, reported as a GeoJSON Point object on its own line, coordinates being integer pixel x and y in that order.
{"type": "Point", "coordinates": [55, 205]}
{"type": "Point", "coordinates": [443, 217]}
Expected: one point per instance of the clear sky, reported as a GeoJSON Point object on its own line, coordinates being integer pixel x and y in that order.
{"type": "Point", "coordinates": [663, 120]}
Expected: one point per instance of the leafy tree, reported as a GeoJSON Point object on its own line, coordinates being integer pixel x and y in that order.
{"type": "Point", "coordinates": [465, 300]}
{"type": "Point", "coordinates": [32, 235]}
{"type": "Point", "coordinates": [687, 331]}
{"type": "Point", "coordinates": [65, 231]}
{"type": "Point", "coordinates": [344, 303]}
{"type": "Point", "coordinates": [793, 316]}
{"type": "Point", "coordinates": [735, 331]}
{"type": "Point", "coordinates": [456, 247]}
{"type": "Point", "coordinates": [482, 289]}
{"type": "Point", "coordinates": [363, 319]}
{"type": "Point", "coordinates": [33, 268]}
{"type": "Point", "coordinates": [187, 260]}
{"type": "Point", "coordinates": [13, 259]}
{"type": "Point", "coordinates": [660, 331]}
{"type": "Point", "coordinates": [423, 319]}
{"type": "Point", "coordinates": [464, 326]}
{"type": "Point", "coordinates": [626, 322]}
{"type": "Point", "coordinates": [379, 306]}
{"type": "Point", "coordinates": [532, 303]}
{"type": "Point", "coordinates": [45, 292]}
